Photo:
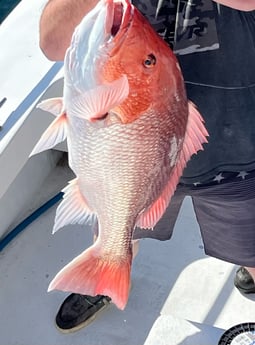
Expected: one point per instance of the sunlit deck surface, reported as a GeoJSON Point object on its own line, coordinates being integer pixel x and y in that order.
{"type": "Point", "coordinates": [179, 296]}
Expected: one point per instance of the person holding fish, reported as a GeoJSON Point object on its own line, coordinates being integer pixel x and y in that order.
{"type": "Point", "coordinates": [146, 145]}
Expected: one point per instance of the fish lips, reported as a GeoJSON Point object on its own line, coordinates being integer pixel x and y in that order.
{"type": "Point", "coordinates": [120, 22]}
{"type": "Point", "coordinates": [107, 22]}
{"type": "Point", "coordinates": [98, 37]}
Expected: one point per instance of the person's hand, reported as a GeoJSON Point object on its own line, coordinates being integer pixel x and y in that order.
{"type": "Point", "coordinates": [241, 5]}
{"type": "Point", "coordinates": [58, 21]}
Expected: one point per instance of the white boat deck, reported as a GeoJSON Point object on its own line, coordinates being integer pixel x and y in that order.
{"type": "Point", "coordinates": [179, 296]}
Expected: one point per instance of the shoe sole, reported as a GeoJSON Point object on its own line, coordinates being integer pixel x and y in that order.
{"type": "Point", "coordinates": [245, 291]}
{"type": "Point", "coordinates": [85, 322]}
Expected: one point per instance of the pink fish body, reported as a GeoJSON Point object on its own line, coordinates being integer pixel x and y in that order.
{"type": "Point", "coordinates": [130, 131]}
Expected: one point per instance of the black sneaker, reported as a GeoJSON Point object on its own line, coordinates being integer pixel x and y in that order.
{"type": "Point", "coordinates": [243, 281]}
{"type": "Point", "coordinates": [78, 311]}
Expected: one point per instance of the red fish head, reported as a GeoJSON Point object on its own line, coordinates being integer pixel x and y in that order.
{"type": "Point", "coordinates": [118, 65]}
{"type": "Point", "coordinates": [139, 53]}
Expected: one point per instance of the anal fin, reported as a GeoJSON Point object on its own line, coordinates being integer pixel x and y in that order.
{"type": "Point", "coordinates": [73, 209]}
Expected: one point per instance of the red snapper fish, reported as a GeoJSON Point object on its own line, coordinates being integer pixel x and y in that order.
{"type": "Point", "coordinates": [130, 131]}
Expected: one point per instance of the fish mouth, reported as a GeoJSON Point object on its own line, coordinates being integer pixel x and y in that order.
{"type": "Point", "coordinates": [117, 18]}
{"type": "Point", "coordinates": [121, 20]}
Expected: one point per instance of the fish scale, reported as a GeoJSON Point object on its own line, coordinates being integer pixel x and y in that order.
{"type": "Point", "coordinates": [120, 193]}
{"type": "Point", "coordinates": [99, 151]}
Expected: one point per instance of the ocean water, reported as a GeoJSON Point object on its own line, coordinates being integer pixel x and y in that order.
{"type": "Point", "coordinates": [6, 6]}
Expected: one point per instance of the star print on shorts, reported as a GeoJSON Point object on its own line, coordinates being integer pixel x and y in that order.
{"type": "Point", "coordinates": [226, 176]}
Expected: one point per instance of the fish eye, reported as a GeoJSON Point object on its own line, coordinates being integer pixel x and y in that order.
{"type": "Point", "coordinates": [150, 61]}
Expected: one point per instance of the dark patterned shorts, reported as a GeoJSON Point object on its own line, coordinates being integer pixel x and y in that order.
{"type": "Point", "coordinates": [225, 211]}
{"type": "Point", "coordinates": [225, 177]}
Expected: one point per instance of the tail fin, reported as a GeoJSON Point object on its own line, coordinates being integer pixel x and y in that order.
{"type": "Point", "coordinates": [92, 274]}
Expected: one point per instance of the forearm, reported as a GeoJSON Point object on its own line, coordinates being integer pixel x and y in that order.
{"type": "Point", "coordinates": [57, 24]}
{"type": "Point", "coordinates": [242, 5]}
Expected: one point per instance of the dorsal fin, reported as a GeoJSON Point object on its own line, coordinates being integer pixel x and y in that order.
{"type": "Point", "coordinates": [195, 136]}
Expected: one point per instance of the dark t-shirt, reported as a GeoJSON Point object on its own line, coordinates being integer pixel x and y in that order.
{"type": "Point", "coordinates": [215, 46]}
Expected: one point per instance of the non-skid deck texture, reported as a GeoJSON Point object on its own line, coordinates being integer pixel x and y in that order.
{"type": "Point", "coordinates": [179, 296]}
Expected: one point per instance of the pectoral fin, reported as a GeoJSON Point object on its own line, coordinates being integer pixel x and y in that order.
{"type": "Point", "coordinates": [95, 103]}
